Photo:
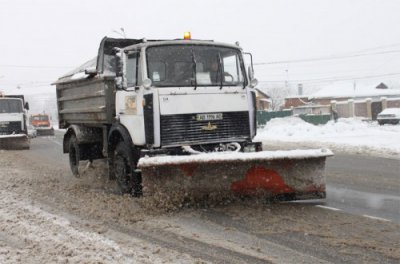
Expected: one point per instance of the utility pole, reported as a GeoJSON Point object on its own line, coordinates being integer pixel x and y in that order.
{"type": "Point", "coordinates": [287, 79]}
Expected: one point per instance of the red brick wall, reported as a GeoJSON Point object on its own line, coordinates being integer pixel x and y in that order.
{"type": "Point", "coordinates": [295, 102]}
{"type": "Point", "coordinates": [360, 109]}
{"type": "Point", "coordinates": [393, 103]}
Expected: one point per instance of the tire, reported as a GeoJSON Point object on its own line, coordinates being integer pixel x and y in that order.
{"type": "Point", "coordinates": [124, 165]}
{"type": "Point", "coordinates": [74, 155]}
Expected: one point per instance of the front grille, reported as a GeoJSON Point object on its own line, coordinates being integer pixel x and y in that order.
{"type": "Point", "coordinates": [10, 128]}
{"type": "Point", "coordinates": [185, 129]}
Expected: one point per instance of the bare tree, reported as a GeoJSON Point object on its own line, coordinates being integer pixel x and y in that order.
{"type": "Point", "coordinates": [277, 94]}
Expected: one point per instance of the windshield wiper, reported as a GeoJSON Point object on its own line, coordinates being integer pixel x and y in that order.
{"type": "Point", "coordinates": [194, 70]}
{"type": "Point", "coordinates": [220, 69]}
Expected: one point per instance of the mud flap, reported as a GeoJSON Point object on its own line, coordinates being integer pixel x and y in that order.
{"type": "Point", "coordinates": [296, 174]}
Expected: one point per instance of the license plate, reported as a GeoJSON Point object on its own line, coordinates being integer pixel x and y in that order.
{"type": "Point", "coordinates": [209, 117]}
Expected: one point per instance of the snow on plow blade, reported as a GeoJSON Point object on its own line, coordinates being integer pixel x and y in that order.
{"type": "Point", "coordinates": [295, 174]}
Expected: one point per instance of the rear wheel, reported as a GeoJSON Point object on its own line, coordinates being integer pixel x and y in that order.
{"type": "Point", "coordinates": [74, 156]}
{"type": "Point", "coordinates": [124, 165]}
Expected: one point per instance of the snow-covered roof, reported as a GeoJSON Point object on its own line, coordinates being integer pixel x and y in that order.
{"type": "Point", "coordinates": [348, 89]}
{"type": "Point", "coordinates": [263, 92]}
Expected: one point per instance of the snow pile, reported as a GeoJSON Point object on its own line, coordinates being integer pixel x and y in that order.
{"type": "Point", "coordinates": [347, 133]}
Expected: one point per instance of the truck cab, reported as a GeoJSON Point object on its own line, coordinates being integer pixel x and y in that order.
{"type": "Point", "coordinates": [184, 93]}
{"type": "Point", "coordinates": [13, 128]}
{"type": "Point", "coordinates": [41, 122]}
{"type": "Point", "coordinates": [143, 97]}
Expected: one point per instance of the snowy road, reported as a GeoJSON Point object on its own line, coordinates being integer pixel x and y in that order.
{"type": "Point", "coordinates": [368, 186]}
{"type": "Point", "coordinates": [45, 214]}
{"type": "Point", "coordinates": [362, 185]}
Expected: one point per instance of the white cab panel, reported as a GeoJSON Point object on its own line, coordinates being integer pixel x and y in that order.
{"type": "Point", "coordinates": [202, 100]}
{"type": "Point", "coordinates": [11, 117]}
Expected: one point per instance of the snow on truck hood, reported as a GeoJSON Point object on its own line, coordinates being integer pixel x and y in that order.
{"type": "Point", "coordinates": [234, 156]}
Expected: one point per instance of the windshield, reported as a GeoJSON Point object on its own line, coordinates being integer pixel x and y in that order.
{"type": "Point", "coordinates": [194, 65]}
{"type": "Point", "coordinates": [10, 106]}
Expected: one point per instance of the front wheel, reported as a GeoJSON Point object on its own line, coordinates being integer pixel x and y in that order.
{"type": "Point", "coordinates": [124, 165]}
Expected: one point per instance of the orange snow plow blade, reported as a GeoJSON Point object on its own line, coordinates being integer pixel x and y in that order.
{"type": "Point", "coordinates": [294, 175]}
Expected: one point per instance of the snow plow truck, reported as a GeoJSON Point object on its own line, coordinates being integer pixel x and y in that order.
{"type": "Point", "coordinates": [13, 128]}
{"type": "Point", "coordinates": [177, 115]}
{"type": "Point", "coordinates": [41, 122]}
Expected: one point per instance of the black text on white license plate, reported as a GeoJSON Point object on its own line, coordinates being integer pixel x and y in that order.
{"type": "Point", "coordinates": [209, 117]}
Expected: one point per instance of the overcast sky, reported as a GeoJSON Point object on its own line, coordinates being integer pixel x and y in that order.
{"type": "Point", "coordinates": [42, 39]}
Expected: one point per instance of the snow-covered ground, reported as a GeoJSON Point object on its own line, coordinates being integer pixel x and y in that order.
{"type": "Point", "coordinates": [348, 134]}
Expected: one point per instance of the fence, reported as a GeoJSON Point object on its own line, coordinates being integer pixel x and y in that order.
{"type": "Point", "coordinates": [263, 117]}
{"type": "Point", "coordinates": [367, 108]}
{"type": "Point", "coordinates": [316, 119]}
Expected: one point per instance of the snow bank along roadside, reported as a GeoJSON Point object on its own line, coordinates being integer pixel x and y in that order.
{"type": "Point", "coordinates": [348, 135]}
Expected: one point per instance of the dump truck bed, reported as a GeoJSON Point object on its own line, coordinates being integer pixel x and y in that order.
{"type": "Point", "coordinates": [86, 101]}
{"type": "Point", "coordinates": [90, 99]}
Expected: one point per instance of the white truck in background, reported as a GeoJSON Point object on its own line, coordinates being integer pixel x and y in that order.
{"type": "Point", "coordinates": [13, 123]}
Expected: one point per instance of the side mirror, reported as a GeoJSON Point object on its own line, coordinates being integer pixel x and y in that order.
{"type": "Point", "coordinates": [26, 106]}
{"type": "Point", "coordinates": [251, 73]}
{"type": "Point", "coordinates": [146, 83]}
{"type": "Point", "coordinates": [253, 83]}
{"type": "Point", "coordinates": [120, 79]}
{"type": "Point", "coordinates": [121, 83]}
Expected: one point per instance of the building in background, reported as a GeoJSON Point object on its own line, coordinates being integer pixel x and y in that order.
{"type": "Point", "coordinates": [346, 100]}
{"type": "Point", "coordinates": [263, 100]}
{"type": "Point", "coordinates": [343, 92]}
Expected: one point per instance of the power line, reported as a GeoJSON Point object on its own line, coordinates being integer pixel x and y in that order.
{"type": "Point", "coordinates": [333, 79]}
{"type": "Point", "coordinates": [33, 66]}
{"type": "Point", "coordinates": [381, 47]}
{"type": "Point", "coordinates": [338, 57]}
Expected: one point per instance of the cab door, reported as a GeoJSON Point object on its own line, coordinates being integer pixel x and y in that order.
{"type": "Point", "coordinates": [129, 100]}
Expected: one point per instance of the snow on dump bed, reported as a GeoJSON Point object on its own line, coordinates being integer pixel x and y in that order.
{"type": "Point", "coordinates": [234, 157]}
